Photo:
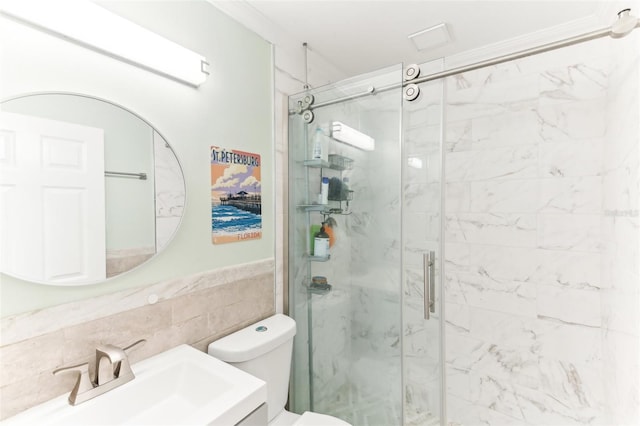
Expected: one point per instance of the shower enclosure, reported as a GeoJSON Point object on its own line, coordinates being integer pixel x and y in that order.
{"type": "Point", "coordinates": [364, 342]}
{"type": "Point", "coordinates": [503, 205]}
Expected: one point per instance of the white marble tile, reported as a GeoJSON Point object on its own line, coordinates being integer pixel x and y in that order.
{"type": "Point", "coordinates": [575, 306]}
{"type": "Point", "coordinates": [491, 393]}
{"type": "Point", "coordinates": [461, 350]}
{"type": "Point", "coordinates": [573, 120]}
{"type": "Point", "coordinates": [457, 384]}
{"type": "Point", "coordinates": [545, 364]}
{"type": "Point", "coordinates": [422, 139]}
{"type": "Point", "coordinates": [574, 82]}
{"type": "Point", "coordinates": [458, 316]}
{"type": "Point", "coordinates": [620, 187]}
{"type": "Point", "coordinates": [571, 158]}
{"type": "Point", "coordinates": [621, 257]}
{"type": "Point", "coordinates": [506, 329]}
{"type": "Point", "coordinates": [569, 269]}
{"type": "Point", "coordinates": [485, 76]}
{"type": "Point", "coordinates": [458, 136]}
{"type": "Point", "coordinates": [504, 196]}
{"type": "Point", "coordinates": [420, 115]}
{"type": "Point", "coordinates": [621, 381]}
{"type": "Point", "coordinates": [506, 365]}
{"type": "Point", "coordinates": [621, 311]}
{"type": "Point", "coordinates": [579, 344]}
{"type": "Point", "coordinates": [457, 256]}
{"type": "Point", "coordinates": [503, 262]}
{"type": "Point", "coordinates": [492, 99]}
{"type": "Point", "coordinates": [499, 163]}
{"type": "Point", "coordinates": [170, 191]}
{"type": "Point", "coordinates": [570, 195]}
{"type": "Point", "coordinates": [457, 196]}
{"type": "Point", "coordinates": [421, 197]}
{"type": "Point", "coordinates": [478, 290]}
{"type": "Point", "coordinates": [517, 230]}
{"type": "Point", "coordinates": [508, 129]}
{"type": "Point", "coordinates": [542, 407]}
{"type": "Point", "coordinates": [570, 232]}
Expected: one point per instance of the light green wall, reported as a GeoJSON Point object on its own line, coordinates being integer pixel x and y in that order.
{"type": "Point", "coordinates": [232, 109]}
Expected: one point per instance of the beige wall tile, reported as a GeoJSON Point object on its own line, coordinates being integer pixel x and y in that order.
{"type": "Point", "coordinates": [210, 311]}
{"type": "Point", "coordinates": [28, 358]}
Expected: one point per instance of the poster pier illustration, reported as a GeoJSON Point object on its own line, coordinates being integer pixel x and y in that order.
{"type": "Point", "coordinates": [236, 196]}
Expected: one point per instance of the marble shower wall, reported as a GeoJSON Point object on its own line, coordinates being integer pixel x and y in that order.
{"type": "Point", "coordinates": [541, 239]}
{"type": "Point", "coordinates": [620, 301]}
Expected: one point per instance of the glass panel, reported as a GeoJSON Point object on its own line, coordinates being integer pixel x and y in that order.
{"type": "Point", "coordinates": [347, 353]}
{"type": "Point", "coordinates": [422, 232]}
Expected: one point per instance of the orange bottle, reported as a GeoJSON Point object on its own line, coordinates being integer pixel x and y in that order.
{"type": "Point", "coordinates": [328, 229]}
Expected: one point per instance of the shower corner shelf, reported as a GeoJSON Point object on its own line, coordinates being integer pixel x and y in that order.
{"type": "Point", "coordinates": [321, 290]}
{"type": "Point", "coordinates": [336, 162]}
{"type": "Point", "coordinates": [317, 164]}
{"type": "Point", "coordinates": [323, 209]}
{"type": "Point", "coordinates": [319, 258]}
{"type": "Point", "coordinates": [314, 207]}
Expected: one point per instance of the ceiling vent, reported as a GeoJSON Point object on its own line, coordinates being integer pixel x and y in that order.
{"type": "Point", "coordinates": [432, 37]}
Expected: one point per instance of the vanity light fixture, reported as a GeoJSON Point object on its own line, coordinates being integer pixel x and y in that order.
{"type": "Point", "coordinates": [96, 28]}
{"type": "Point", "coordinates": [343, 133]}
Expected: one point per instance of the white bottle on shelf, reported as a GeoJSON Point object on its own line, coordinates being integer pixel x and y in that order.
{"type": "Point", "coordinates": [319, 146]}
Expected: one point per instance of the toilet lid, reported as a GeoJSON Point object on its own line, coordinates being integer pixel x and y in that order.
{"type": "Point", "coordinates": [314, 419]}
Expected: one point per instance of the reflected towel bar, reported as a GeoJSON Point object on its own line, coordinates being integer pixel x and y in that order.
{"type": "Point", "coordinates": [141, 176]}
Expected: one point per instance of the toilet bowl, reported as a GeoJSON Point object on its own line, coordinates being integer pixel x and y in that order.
{"type": "Point", "coordinates": [264, 350]}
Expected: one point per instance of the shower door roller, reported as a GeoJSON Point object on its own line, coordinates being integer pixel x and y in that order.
{"type": "Point", "coordinates": [411, 92]}
{"type": "Point", "coordinates": [411, 71]}
{"type": "Point", "coordinates": [428, 263]}
{"type": "Point", "coordinates": [307, 116]}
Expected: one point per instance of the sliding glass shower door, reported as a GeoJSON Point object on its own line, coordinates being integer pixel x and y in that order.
{"type": "Point", "coordinates": [363, 350]}
{"type": "Point", "coordinates": [422, 252]}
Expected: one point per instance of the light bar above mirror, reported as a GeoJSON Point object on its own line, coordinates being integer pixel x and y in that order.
{"type": "Point", "coordinates": [96, 28]}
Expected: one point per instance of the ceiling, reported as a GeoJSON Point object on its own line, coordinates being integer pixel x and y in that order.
{"type": "Point", "coordinates": [358, 36]}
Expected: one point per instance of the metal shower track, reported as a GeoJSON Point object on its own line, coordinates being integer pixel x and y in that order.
{"type": "Point", "coordinates": [608, 31]}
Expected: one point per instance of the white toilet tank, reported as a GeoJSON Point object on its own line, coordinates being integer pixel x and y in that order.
{"type": "Point", "coordinates": [263, 350]}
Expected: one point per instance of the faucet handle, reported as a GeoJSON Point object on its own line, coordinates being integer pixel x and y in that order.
{"type": "Point", "coordinates": [123, 368]}
{"type": "Point", "coordinates": [83, 383]}
{"type": "Point", "coordinates": [108, 360]}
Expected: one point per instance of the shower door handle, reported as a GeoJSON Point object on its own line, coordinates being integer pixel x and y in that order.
{"type": "Point", "coordinates": [428, 264]}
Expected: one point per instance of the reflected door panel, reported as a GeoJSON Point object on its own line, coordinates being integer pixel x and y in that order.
{"type": "Point", "coordinates": [53, 200]}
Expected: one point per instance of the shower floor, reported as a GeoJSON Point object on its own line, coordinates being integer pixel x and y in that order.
{"type": "Point", "coordinates": [367, 410]}
{"type": "Point", "coordinates": [365, 399]}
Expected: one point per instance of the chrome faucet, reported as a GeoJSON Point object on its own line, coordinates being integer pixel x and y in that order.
{"type": "Point", "coordinates": [112, 370]}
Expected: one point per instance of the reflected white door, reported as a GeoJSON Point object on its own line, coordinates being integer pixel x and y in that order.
{"type": "Point", "coordinates": [52, 200]}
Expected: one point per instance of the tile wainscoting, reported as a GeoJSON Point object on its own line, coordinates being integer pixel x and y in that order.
{"type": "Point", "coordinates": [195, 310]}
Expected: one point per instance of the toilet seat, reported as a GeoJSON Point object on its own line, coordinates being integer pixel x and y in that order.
{"type": "Point", "coordinates": [314, 419]}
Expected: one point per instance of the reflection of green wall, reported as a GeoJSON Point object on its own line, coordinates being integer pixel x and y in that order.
{"type": "Point", "coordinates": [130, 212]}
{"type": "Point", "coordinates": [233, 108]}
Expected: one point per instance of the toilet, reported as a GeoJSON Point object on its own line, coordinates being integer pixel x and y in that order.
{"type": "Point", "coordinates": [264, 350]}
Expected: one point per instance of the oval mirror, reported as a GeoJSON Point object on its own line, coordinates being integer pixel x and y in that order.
{"type": "Point", "coordinates": [88, 189]}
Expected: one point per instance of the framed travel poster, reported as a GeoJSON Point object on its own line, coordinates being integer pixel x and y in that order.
{"type": "Point", "coordinates": [236, 199]}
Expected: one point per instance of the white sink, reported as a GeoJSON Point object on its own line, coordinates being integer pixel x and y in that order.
{"type": "Point", "coordinates": [180, 386]}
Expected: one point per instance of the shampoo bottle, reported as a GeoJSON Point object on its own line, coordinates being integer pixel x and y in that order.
{"type": "Point", "coordinates": [321, 243]}
{"type": "Point", "coordinates": [324, 191]}
{"type": "Point", "coordinates": [319, 150]}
